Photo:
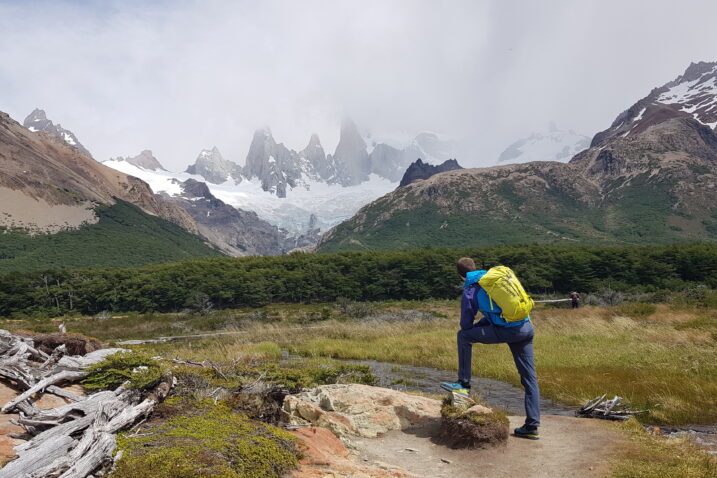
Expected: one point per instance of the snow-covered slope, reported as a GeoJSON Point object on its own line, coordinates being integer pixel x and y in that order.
{"type": "Point", "coordinates": [691, 95]}
{"type": "Point", "coordinates": [551, 145]}
{"type": "Point", "coordinates": [330, 203]}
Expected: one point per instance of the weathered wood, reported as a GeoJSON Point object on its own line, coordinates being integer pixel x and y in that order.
{"type": "Point", "coordinates": [41, 457]}
{"type": "Point", "coordinates": [55, 390]}
{"type": "Point", "coordinates": [65, 375]}
{"type": "Point", "coordinates": [613, 409]}
{"type": "Point", "coordinates": [52, 450]}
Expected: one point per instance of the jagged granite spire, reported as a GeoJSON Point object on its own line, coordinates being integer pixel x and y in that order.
{"type": "Point", "coordinates": [37, 121]}
{"type": "Point", "coordinates": [212, 166]}
{"type": "Point", "coordinates": [352, 160]}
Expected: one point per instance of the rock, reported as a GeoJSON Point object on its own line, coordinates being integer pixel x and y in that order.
{"type": "Point", "coordinates": [478, 409]}
{"type": "Point", "coordinates": [419, 170]}
{"type": "Point", "coordinates": [326, 456]}
{"type": "Point", "coordinates": [76, 344]}
{"type": "Point", "coordinates": [359, 410]}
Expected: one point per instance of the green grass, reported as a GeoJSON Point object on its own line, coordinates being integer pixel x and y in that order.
{"type": "Point", "coordinates": [649, 456]}
{"type": "Point", "coordinates": [125, 236]}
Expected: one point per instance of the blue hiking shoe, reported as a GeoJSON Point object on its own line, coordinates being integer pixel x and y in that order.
{"type": "Point", "coordinates": [458, 387]}
{"type": "Point", "coordinates": [531, 433]}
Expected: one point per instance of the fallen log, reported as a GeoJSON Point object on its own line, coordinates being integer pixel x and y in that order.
{"type": "Point", "coordinates": [613, 409]}
{"type": "Point", "coordinates": [76, 439]}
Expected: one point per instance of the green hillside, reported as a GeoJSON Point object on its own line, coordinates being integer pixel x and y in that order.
{"type": "Point", "coordinates": [125, 236]}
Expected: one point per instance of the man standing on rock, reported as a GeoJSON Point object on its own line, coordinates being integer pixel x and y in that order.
{"type": "Point", "coordinates": [493, 329]}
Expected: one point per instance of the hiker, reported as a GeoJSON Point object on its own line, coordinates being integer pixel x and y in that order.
{"type": "Point", "coordinates": [493, 329]}
{"type": "Point", "coordinates": [575, 299]}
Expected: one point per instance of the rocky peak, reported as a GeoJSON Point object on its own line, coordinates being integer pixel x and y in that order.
{"type": "Point", "coordinates": [691, 95]}
{"type": "Point", "coordinates": [315, 163]}
{"type": "Point", "coordinates": [144, 160]}
{"type": "Point", "coordinates": [420, 170]}
{"type": "Point", "coordinates": [273, 163]}
{"type": "Point", "coordinates": [37, 121]}
{"type": "Point", "coordinates": [212, 166]}
{"type": "Point", "coordinates": [351, 157]}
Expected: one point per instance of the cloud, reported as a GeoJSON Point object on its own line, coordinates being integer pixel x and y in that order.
{"type": "Point", "coordinates": [179, 76]}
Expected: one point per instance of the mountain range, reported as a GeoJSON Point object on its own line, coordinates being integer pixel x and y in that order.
{"type": "Point", "coordinates": [302, 193]}
{"type": "Point", "coordinates": [651, 177]}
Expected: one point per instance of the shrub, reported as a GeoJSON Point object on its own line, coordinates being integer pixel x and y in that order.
{"type": "Point", "coordinates": [139, 369]}
{"type": "Point", "coordinates": [353, 309]}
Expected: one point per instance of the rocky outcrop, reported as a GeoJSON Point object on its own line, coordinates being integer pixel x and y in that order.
{"type": "Point", "coordinates": [354, 410]}
{"type": "Point", "coordinates": [212, 166]}
{"type": "Point", "coordinates": [144, 160]}
{"type": "Point", "coordinates": [420, 170]}
{"type": "Point", "coordinates": [37, 121]}
{"type": "Point", "coordinates": [325, 455]}
{"type": "Point", "coordinates": [234, 231]}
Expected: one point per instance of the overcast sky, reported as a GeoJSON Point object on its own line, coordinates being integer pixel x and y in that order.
{"type": "Point", "coordinates": [179, 76]}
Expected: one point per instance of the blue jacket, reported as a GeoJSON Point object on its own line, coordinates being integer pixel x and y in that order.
{"type": "Point", "coordinates": [475, 300]}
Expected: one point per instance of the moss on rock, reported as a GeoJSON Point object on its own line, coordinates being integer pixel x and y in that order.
{"type": "Point", "coordinates": [210, 441]}
{"type": "Point", "coordinates": [465, 429]}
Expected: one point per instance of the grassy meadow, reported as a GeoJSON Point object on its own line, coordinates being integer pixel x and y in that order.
{"type": "Point", "coordinates": [658, 357]}
{"type": "Point", "coordinates": [661, 357]}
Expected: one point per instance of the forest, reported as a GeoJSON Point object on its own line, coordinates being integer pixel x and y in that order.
{"type": "Point", "coordinates": [365, 276]}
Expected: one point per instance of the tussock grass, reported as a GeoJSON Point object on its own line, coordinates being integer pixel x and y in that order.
{"type": "Point", "coordinates": [649, 456]}
{"type": "Point", "coordinates": [653, 361]}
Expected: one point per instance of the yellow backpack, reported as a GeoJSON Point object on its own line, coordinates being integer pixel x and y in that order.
{"type": "Point", "coordinates": [504, 288]}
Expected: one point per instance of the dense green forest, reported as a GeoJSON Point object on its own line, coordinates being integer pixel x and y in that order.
{"type": "Point", "coordinates": [299, 277]}
{"type": "Point", "coordinates": [125, 236]}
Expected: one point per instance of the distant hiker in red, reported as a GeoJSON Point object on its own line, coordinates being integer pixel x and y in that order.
{"type": "Point", "coordinates": [575, 299]}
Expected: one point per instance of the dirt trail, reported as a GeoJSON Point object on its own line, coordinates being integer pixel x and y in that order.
{"type": "Point", "coordinates": [568, 447]}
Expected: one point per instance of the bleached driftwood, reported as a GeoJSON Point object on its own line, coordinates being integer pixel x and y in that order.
{"type": "Point", "coordinates": [72, 440]}
{"type": "Point", "coordinates": [613, 409]}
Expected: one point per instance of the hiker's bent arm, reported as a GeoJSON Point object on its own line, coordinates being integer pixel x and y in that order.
{"type": "Point", "coordinates": [468, 311]}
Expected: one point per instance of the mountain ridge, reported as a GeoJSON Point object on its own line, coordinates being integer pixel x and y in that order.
{"type": "Point", "coordinates": [656, 184]}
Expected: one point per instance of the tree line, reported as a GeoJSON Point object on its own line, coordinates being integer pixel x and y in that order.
{"type": "Point", "coordinates": [366, 276]}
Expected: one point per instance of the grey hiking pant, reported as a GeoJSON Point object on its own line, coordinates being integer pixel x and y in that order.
{"type": "Point", "coordinates": [520, 341]}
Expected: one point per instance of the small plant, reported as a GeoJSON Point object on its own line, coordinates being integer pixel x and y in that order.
{"type": "Point", "coordinates": [353, 309]}
{"type": "Point", "coordinates": [207, 441]}
{"type": "Point", "coordinates": [138, 369]}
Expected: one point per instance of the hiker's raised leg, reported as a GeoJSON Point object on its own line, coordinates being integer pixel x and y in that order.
{"type": "Point", "coordinates": [525, 363]}
{"type": "Point", "coordinates": [482, 332]}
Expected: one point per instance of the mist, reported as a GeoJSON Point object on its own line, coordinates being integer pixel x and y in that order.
{"type": "Point", "coordinates": [179, 76]}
